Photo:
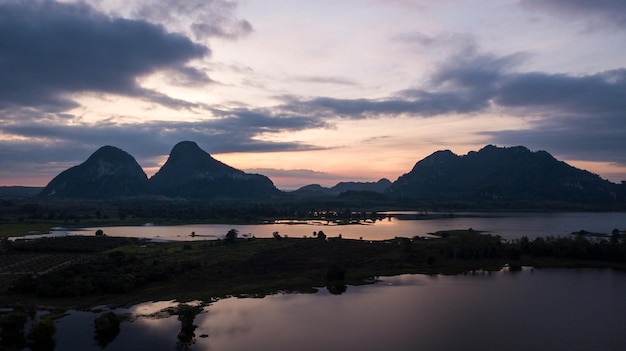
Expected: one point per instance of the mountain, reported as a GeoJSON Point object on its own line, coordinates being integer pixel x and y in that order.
{"type": "Point", "coordinates": [190, 172]}
{"type": "Point", "coordinates": [317, 190]}
{"type": "Point", "coordinates": [108, 172]}
{"type": "Point", "coordinates": [503, 174]}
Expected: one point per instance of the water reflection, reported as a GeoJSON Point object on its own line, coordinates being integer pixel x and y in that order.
{"type": "Point", "coordinates": [186, 315]}
{"type": "Point", "coordinates": [106, 328]}
{"type": "Point", "coordinates": [524, 310]}
{"type": "Point", "coordinates": [508, 225]}
{"type": "Point", "coordinates": [337, 289]}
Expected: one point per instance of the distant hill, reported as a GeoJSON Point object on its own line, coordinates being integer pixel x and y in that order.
{"type": "Point", "coordinates": [13, 192]}
{"type": "Point", "coordinates": [108, 172]}
{"type": "Point", "coordinates": [190, 172]}
{"type": "Point", "coordinates": [317, 190]}
{"type": "Point", "coordinates": [503, 174]}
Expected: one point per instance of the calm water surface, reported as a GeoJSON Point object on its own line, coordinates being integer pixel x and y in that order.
{"type": "Point", "coordinates": [529, 310]}
{"type": "Point", "coordinates": [508, 225]}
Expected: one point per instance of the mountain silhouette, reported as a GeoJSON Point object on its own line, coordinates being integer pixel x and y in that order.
{"type": "Point", "coordinates": [108, 172]}
{"type": "Point", "coordinates": [190, 172]}
{"type": "Point", "coordinates": [507, 176]}
{"type": "Point", "coordinates": [317, 190]}
{"type": "Point", "coordinates": [503, 174]}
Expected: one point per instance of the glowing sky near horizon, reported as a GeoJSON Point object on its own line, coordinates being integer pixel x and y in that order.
{"type": "Point", "coordinates": [310, 92]}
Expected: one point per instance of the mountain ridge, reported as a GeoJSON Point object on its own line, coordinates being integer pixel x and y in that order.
{"type": "Point", "coordinates": [490, 175]}
{"type": "Point", "coordinates": [503, 174]}
{"type": "Point", "coordinates": [379, 186]}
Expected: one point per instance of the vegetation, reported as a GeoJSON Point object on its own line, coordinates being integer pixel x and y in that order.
{"type": "Point", "coordinates": [121, 270]}
{"type": "Point", "coordinates": [12, 330]}
{"type": "Point", "coordinates": [41, 335]}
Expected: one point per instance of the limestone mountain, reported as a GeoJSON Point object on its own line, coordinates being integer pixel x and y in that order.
{"type": "Point", "coordinates": [512, 174]}
{"type": "Point", "coordinates": [108, 172]}
{"type": "Point", "coordinates": [190, 172]}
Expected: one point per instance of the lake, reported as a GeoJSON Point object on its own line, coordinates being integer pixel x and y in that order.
{"type": "Point", "coordinates": [534, 309]}
{"type": "Point", "coordinates": [509, 225]}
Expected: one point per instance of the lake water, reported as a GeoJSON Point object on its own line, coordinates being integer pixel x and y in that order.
{"type": "Point", "coordinates": [509, 225]}
{"type": "Point", "coordinates": [551, 309]}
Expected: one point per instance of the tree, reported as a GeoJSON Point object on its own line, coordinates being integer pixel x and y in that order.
{"type": "Point", "coordinates": [231, 236]}
{"type": "Point", "coordinates": [12, 331]}
{"type": "Point", "coordinates": [41, 335]}
{"type": "Point", "coordinates": [321, 235]}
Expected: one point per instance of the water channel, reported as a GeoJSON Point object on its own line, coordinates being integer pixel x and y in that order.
{"type": "Point", "coordinates": [535, 309]}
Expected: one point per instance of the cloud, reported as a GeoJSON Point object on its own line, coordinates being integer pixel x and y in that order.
{"type": "Point", "coordinates": [49, 51]}
{"type": "Point", "coordinates": [465, 83]}
{"type": "Point", "coordinates": [601, 12]}
{"type": "Point", "coordinates": [293, 173]}
{"type": "Point", "coordinates": [602, 94]}
{"type": "Point", "coordinates": [580, 117]}
{"type": "Point", "coordinates": [292, 179]}
{"type": "Point", "coordinates": [464, 41]}
{"type": "Point", "coordinates": [201, 19]}
{"type": "Point", "coordinates": [52, 148]}
{"type": "Point", "coordinates": [237, 132]}
{"type": "Point", "coordinates": [53, 143]}
{"type": "Point", "coordinates": [572, 139]}
{"type": "Point", "coordinates": [325, 80]}
{"type": "Point", "coordinates": [577, 117]}
{"type": "Point", "coordinates": [405, 4]}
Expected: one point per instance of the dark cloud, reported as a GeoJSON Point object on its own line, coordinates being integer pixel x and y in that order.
{"type": "Point", "coordinates": [596, 95]}
{"type": "Point", "coordinates": [234, 132]}
{"type": "Point", "coordinates": [601, 12]}
{"type": "Point", "coordinates": [50, 50]}
{"type": "Point", "coordinates": [576, 117]}
{"type": "Point", "coordinates": [48, 141]}
{"type": "Point", "coordinates": [470, 70]}
{"type": "Point", "coordinates": [201, 18]}
{"type": "Point", "coordinates": [412, 102]}
{"type": "Point", "coordinates": [571, 139]}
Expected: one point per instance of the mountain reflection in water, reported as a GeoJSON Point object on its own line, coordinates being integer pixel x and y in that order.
{"type": "Point", "coordinates": [551, 309]}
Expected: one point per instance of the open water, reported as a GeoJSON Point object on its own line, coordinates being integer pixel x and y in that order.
{"type": "Point", "coordinates": [509, 225]}
{"type": "Point", "coordinates": [535, 309]}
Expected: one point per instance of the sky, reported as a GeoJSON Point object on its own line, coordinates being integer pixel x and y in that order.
{"type": "Point", "coordinates": [310, 92]}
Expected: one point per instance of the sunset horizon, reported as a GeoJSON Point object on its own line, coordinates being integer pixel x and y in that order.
{"type": "Point", "coordinates": [310, 93]}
